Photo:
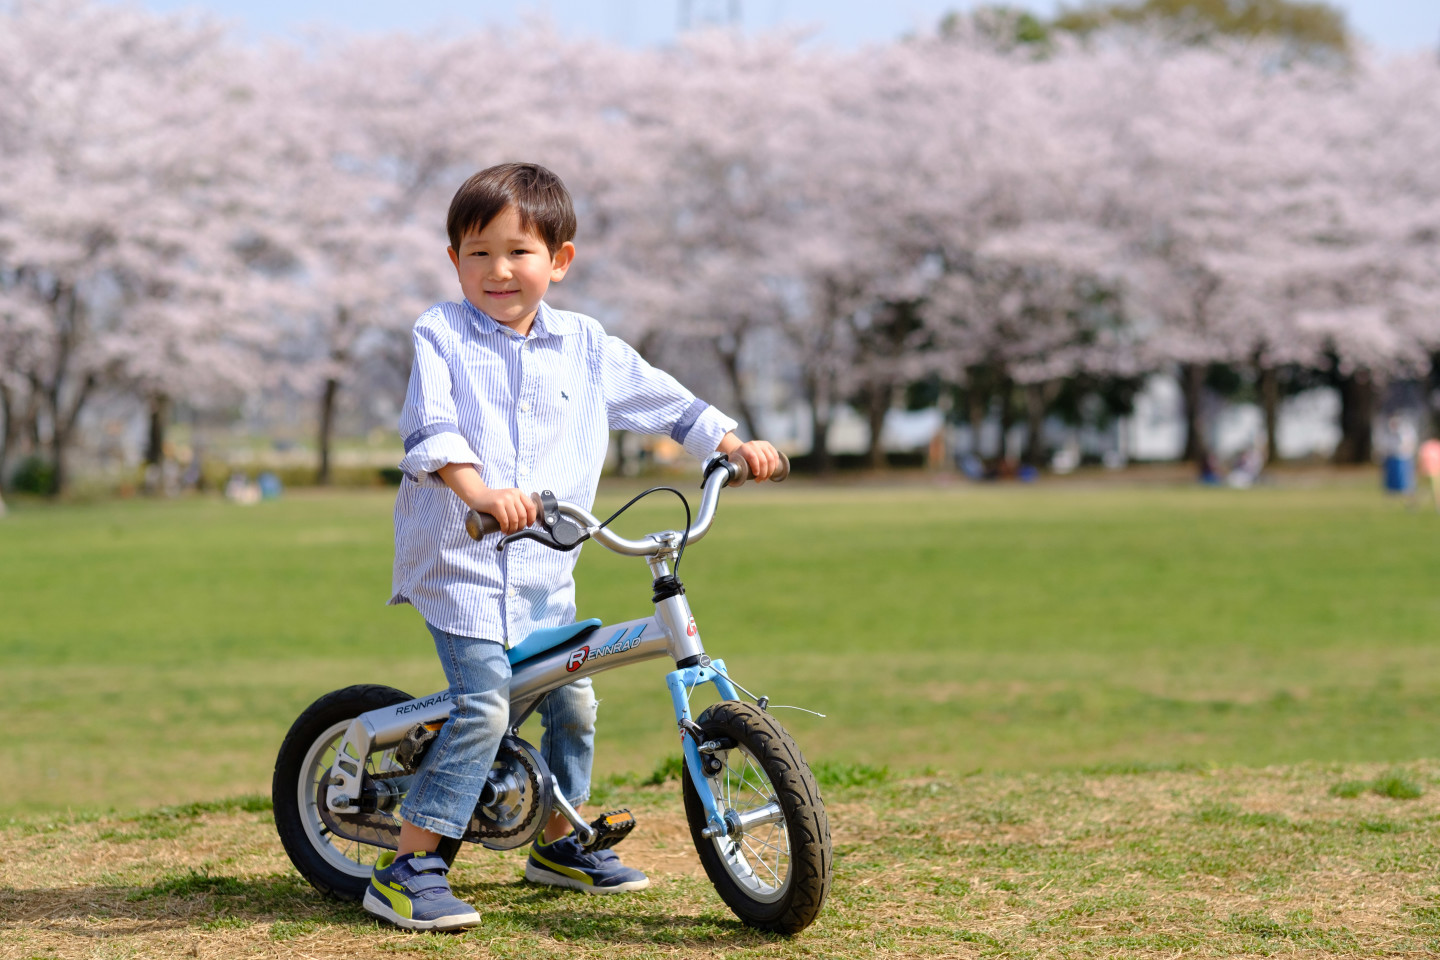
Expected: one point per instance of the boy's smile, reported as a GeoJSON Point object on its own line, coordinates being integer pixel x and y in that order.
{"type": "Point", "coordinates": [505, 270]}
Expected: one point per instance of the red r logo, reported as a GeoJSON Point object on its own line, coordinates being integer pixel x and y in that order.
{"type": "Point", "coordinates": [690, 630]}
{"type": "Point", "coordinates": [577, 659]}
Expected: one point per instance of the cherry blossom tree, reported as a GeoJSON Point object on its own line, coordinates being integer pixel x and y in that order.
{"type": "Point", "coordinates": [119, 143]}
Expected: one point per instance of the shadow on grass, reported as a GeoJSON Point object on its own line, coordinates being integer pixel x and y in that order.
{"type": "Point", "coordinates": [201, 899]}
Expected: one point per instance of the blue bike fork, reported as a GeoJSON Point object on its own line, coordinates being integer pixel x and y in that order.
{"type": "Point", "coordinates": [682, 683]}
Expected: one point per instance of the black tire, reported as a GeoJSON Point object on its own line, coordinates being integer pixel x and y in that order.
{"type": "Point", "coordinates": [337, 868]}
{"type": "Point", "coordinates": [775, 875]}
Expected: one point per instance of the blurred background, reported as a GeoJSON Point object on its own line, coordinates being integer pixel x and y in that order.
{"type": "Point", "coordinates": [1005, 282]}
{"type": "Point", "coordinates": [992, 239]}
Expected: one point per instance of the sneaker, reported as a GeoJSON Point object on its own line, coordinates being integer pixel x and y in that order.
{"type": "Point", "coordinates": [412, 892]}
{"type": "Point", "coordinates": [565, 863]}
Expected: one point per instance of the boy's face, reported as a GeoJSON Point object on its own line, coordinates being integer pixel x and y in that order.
{"type": "Point", "coordinates": [504, 270]}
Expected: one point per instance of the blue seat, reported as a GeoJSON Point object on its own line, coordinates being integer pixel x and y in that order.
{"type": "Point", "coordinates": [548, 637]}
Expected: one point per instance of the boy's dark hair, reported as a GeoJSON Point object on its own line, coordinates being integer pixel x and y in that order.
{"type": "Point", "coordinates": [537, 195]}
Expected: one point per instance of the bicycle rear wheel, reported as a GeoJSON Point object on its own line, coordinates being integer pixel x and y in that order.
{"type": "Point", "coordinates": [776, 872]}
{"type": "Point", "coordinates": [336, 866]}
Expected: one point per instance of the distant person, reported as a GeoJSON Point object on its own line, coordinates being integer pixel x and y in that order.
{"type": "Point", "coordinates": [1399, 466]}
{"type": "Point", "coordinates": [508, 395]}
{"type": "Point", "coordinates": [1428, 462]}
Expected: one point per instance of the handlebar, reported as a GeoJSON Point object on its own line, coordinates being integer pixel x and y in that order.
{"type": "Point", "coordinates": [719, 472]}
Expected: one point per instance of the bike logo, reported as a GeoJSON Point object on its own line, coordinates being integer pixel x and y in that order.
{"type": "Point", "coordinates": [690, 630]}
{"type": "Point", "coordinates": [577, 659]}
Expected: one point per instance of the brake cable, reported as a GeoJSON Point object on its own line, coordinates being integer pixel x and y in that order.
{"type": "Point", "coordinates": [684, 537]}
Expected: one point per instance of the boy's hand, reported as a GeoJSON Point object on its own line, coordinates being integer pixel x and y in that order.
{"type": "Point", "coordinates": [760, 455]}
{"type": "Point", "coordinates": [512, 509]}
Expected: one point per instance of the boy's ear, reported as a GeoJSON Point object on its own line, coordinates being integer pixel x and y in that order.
{"type": "Point", "coordinates": [454, 257]}
{"type": "Point", "coordinates": [561, 261]}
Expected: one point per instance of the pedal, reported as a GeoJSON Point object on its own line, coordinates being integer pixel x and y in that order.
{"type": "Point", "coordinates": [610, 828]}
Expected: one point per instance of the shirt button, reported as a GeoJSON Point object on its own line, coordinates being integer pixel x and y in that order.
{"type": "Point", "coordinates": [510, 593]}
{"type": "Point", "coordinates": [524, 406]}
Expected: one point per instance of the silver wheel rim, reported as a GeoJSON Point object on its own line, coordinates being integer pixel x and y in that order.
{"type": "Point", "coordinates": [350, 857]}
{"type": "Point", "coordinates": [758, 860]}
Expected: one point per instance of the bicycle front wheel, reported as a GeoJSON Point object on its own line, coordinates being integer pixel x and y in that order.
{"type": "Point", "coordinates": [775, 872]}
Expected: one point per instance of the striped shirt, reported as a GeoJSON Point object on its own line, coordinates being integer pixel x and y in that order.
{"type": "Point", "coordinates": [530, 412]}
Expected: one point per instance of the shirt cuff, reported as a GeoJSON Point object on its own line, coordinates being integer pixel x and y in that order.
{"type": "Point", "coordinates": [705, 434]}
{"type": "Point", "coordinates": [432, 452]}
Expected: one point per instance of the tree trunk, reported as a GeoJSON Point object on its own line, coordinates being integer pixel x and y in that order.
{"type": "Point", "coordinates": [30, 419]}
{"type": "Point", "coordinates": [1007, 417]}
{"type": "Point", "coordinates": [1192, 388]}
{"type": "Point", "coordinates": [1433, 394]}
{"type": "Point", "coordinates": [8, 422]}
{"type": "Point", "coordinates": [1270, 404]}
{"type": "Point", "coordinates": [62, 432]}
{"type": "Point", "coordinates": [617, 440]}
{"type": "Point", "coordinates": [327, 426]}
{"type": "Point", "coordinates": [159, 420]}
{"type": "Point", "coordinates": [339, 357]}
{"type": "Point", "coordinates": [977, 406]}
{"type": "Point", "coordinates": [876, 406]}
{"type": "Point", "coordinates": [818, 392]}
{"type": "Point", "coordinates": [820, 445]}
{"type": "Point", "coordinates": [1357, 418]}
{"type": "Point", "coordinates": [1038, 397]}
{"type": "Point", "coordinates": [730, 361]}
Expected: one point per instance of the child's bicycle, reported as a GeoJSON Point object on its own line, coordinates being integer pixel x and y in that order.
{"type": "Point", "coordinates": [754, 809]}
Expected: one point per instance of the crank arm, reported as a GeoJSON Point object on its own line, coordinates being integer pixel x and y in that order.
{"type": "Point", "coordinates": [582, 829]}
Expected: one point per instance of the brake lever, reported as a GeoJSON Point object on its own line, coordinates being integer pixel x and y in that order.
{"type": "Point", "coordinates": [559, 531]}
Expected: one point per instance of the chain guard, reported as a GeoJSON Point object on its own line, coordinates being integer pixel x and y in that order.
{"type": "Point", "coordinates": [520, 809]}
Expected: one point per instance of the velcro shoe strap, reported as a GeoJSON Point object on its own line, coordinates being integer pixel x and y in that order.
{"type": "Point", "coordinates": [426, 881]}
{"type": "Point", "coordinates": [427, 864]}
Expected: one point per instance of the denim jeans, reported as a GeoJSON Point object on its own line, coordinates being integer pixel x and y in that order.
{"type": "Point", "coordinates": [444, 791]}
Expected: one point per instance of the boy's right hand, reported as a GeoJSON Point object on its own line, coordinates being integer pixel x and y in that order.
{"type": "Point", "coordinates": [512, 508]}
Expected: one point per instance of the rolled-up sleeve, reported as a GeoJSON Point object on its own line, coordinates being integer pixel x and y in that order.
{"type": "Point", "coordinates": [645, 400]}
{"type": "Point", "coordinates": [428, 420]}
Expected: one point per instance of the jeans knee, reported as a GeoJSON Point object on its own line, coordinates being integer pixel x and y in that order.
{"type": "Point", "coordinates": [479, 715]}
{"type": "Point", "coordinates": [580, 710]}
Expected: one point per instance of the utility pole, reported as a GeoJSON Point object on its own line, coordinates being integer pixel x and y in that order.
{"type": "Point", "coordinates": [709, 13]}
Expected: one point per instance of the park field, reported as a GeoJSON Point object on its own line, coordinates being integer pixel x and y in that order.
{"type": "Point", "coordinates": [1062, 719]}
{"type": "Point", "coordinates": [155, 653]}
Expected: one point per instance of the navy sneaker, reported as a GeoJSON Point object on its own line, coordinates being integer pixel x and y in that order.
{"type": "Point", "coordinates": [565, 863]}
{"type": "Point", "coordinates": [411, 892]}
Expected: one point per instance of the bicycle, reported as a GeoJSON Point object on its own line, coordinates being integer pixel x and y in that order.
{"type": "Point", "coordinates": [755, 812]}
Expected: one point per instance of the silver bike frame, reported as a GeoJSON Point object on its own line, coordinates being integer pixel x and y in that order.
{"type": "Point", "coordinates": [671, 632]}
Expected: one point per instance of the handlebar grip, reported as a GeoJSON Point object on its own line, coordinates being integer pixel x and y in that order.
{"type": "Point", "coordinates": [481, 524]}
{"type": "Point", "coordinates": [743, 474]}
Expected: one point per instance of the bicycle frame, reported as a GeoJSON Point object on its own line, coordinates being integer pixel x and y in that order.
{"type": "Point", "coordinates": [671, 632]}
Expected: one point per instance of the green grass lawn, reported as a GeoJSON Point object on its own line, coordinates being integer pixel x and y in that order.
{"type": "Point", "coordinates": [156, 652]}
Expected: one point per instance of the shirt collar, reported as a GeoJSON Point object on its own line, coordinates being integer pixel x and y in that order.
{"type": "Point", "coordinates": [548, 321]}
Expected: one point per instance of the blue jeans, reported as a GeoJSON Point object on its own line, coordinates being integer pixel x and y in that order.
{"type": "Point", "coordinates": [444, 791]}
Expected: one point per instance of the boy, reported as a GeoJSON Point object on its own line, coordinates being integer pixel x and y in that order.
{"type": "Point", "coordinates": [506, 396]}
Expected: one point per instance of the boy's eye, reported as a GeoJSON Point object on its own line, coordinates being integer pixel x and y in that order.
{"type": "Point", "coordinates": [518, 253]}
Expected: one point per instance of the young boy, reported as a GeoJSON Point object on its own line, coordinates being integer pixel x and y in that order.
{"type": "Point", "coordinates": [507, 396]}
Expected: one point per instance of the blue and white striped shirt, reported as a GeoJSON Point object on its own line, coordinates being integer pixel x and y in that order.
{"type": "Point", "coordinates": [530, 412]}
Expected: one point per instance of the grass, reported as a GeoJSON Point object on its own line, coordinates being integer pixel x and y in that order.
{"type": "Point", "coordinates": [1253, 862]}
{"type": "Point", "coordinates": [1065, 720]}
{"type": "Point", "coordinates": [155, 653]}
